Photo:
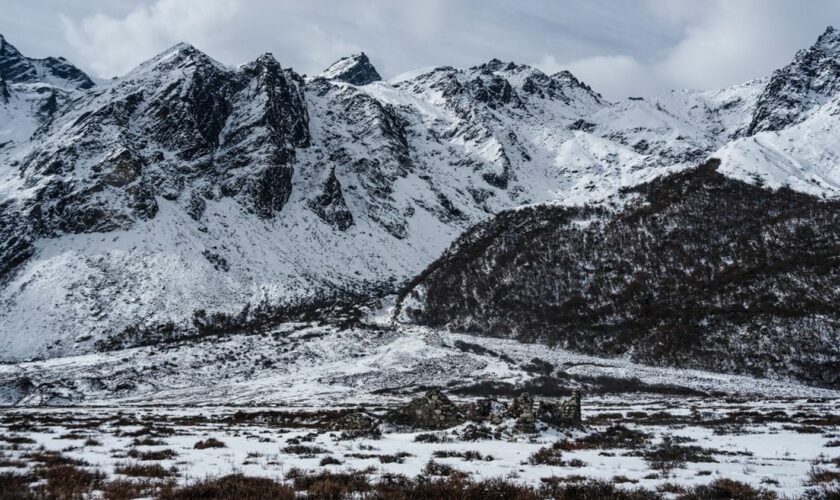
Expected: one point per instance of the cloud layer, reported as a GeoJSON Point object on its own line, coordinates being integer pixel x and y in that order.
{"type": "Point", "coordinates": [619, 47]}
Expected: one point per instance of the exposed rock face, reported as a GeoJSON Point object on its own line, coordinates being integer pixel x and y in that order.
{"type": "Point", "coordinates": [330, 205]}
{"type": "Point", "coordinates": [4, 91]}
{"type": "Point", "coordinates": [666, 279]}
{"type": "Point", "coordinates": [811, 79]}
{"type": "Point", "coordinates": [16, 68]}
{"type": "Point", "coordinates": [355, 69]}
{"type": "Point", "coordinates": [226, 133]}
{"type": "Point", "coordinates": [188, 186]}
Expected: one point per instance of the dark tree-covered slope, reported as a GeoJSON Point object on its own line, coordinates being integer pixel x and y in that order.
{"type": "Point", "coordinates": [697, 271]}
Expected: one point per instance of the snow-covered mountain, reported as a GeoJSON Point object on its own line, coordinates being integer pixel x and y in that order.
{"type": "Point", "coordinates": [697, 270]}
{"type": "Point", "coordinates": [143, 206]}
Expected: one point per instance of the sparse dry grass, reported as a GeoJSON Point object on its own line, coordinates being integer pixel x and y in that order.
{"type": "Point", "coordinates": [329, 461]}
{"type": "Point", "coordinates": [209, 443]}
{"type": "Point", "coordinates": [145, 470]}
{"type": "Point", "coordinates": [727, 488]}
{"type": "Point", "coordinates": [232, 487]}
{"type": "Point", "coordinates": [467, 456]}
{"type": "Point", "coordinates": [820, 475]}
{"type": "Point", "coordinates": [548, 455]}
{"type": "Point", "coordinates": [147, 441]}
{"type": "Point", "coordinates": [165, 454]}
{"type": "Point", "coordinates": [304, 450]}
{"type": "Point", "coordinates": [614, 436]}
{"type": "Point", "coordinates": [433, 468]}
{"type": "Point", "coordinates": [66, 481]}
{"type": "Point", "coordinates": [14, 439]}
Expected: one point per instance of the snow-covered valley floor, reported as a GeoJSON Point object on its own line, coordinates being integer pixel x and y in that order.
{"type": "Point", "coordinates": [324, 365]}
{"type": "Point", "coordinates": [660, 443]}
{"type": "Point", "coordinates": [137, 416]}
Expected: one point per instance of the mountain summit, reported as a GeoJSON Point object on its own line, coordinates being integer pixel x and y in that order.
{"type": "Point", "coordinates": [189, 197]}
{"type": "Point", "coordinates": [17, 68]}
{"type": "Point", "coordinates": [812, 78]}
{"type": "Point", "coordinates": [355, 69]}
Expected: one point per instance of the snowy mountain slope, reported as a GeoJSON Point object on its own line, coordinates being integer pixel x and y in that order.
{"type": "Point", "coordinates": [810, 80]}
{"type": "Point", "coordinates": [699, 270]}
{"type": "Point", "coordinates": [306, 364]}
{"type": "Point", "coordinates": [789, 140]}
{"type": "Point", "coordinates": [188, 187]}
{"type": "Point", "coordinates": [355, 69]}
{"type": "Point", "coordinates": [803, 156]}
{"type": "Point", "coordinates": [31, 90]}
{"type": "Point", "coordinates": [55, 71]}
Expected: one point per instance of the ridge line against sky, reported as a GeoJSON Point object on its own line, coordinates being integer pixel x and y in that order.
{"type": "Point", "coordinates": [619, 47]}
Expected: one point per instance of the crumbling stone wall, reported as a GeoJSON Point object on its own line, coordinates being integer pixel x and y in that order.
{"type": "Point", "coordinates": [430, 411]}
{"type": "Point", "coordinates": [522, 408]}
{"type": "Point", "coordinates": [562, 413]}
{"type": "Point", "coordinates": [355, 421]}
{"type": "Point", "coordinates": [435, 411]}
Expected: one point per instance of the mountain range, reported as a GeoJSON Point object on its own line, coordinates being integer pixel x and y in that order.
{"type": "Point", "coordinates": [694, 228]}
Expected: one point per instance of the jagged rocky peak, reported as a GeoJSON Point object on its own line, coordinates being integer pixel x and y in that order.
{"type": "Point", "coordinates": [13, 65]}
{"type": "Point", "coordinates": [829, 40]}
{"type": "Point", "coordinates": [181, 55]}
{"type": "Point", "coordinates": [355, 69]}
{"type": "Point", "coordinates": [494, 65]}
{"type": "Point", "coordinates": [17, 68]}
{"type": "Point", "coordinates": [267, 60]}
{"type": "Point", "coordinates": [567, 79]}
{"type": "Point", "coordinates": [809, 80]}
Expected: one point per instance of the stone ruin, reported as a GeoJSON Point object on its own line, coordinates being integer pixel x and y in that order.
{"type": "Point", "coordinates": [435, 411]}
{"type": "Point", "coordinates": [431, 411]}
{"type": "Point", "coordinates": [355, 421]}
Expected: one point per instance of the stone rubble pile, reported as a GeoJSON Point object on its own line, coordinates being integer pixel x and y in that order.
{"type": "Point", "coordinates": [436, 411]}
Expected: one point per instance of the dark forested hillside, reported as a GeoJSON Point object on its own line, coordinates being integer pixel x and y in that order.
{"type": "Point", "coordinates": [698, 270]}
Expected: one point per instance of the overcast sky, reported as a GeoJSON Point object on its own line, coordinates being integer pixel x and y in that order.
{"type": "Point", "coordinates": [620, 47]}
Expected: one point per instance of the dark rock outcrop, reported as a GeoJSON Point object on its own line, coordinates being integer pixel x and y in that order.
{"type": "Point", "coordinates": [17, 68]}
{"type": "Point", "coordinates": [812, 78]}
{"type": "Point", "coordinates": [330, 205]}
{"type": "Point", "coordinates": [355, 69]}
{"type": "Point", "coordinates": [4, 91]}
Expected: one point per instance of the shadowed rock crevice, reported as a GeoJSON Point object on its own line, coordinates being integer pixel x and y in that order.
{"type": "Point", "coordinates": [330, 205]}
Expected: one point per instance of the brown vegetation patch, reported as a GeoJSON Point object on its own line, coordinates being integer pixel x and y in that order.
{"type": "Point", "coordinates": [304, 450]}
{"type": "Point", "coordinates": [820, 475]}
{"type": "Point", "coordinates": [615, 436]}
{"type": "Point", "coordinates": [145, 470]}
{"type": "Point", "coordinates": [166, 454]}
{"type": "Point", "coordinates": [467, 456]}
{"type": "Point", "coordinates": [209, 443]}
{"type": "Point", "coordinates": [232, 487]}
{"type": "Point", "coordinates": [66, 481]}
{"type": "Point", "coordinates": [433, 468]}
{"type": "Point", "coordinates": [727, 488]}
{"type": "Point", "coordinates": [330, 485]}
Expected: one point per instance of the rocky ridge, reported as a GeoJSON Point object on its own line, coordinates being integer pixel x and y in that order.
{"type": "Point", "coordinates": [188, 195]}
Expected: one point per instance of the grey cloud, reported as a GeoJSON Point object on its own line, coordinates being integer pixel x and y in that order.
{"type": "Point", "coordinates": [620, 47]}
